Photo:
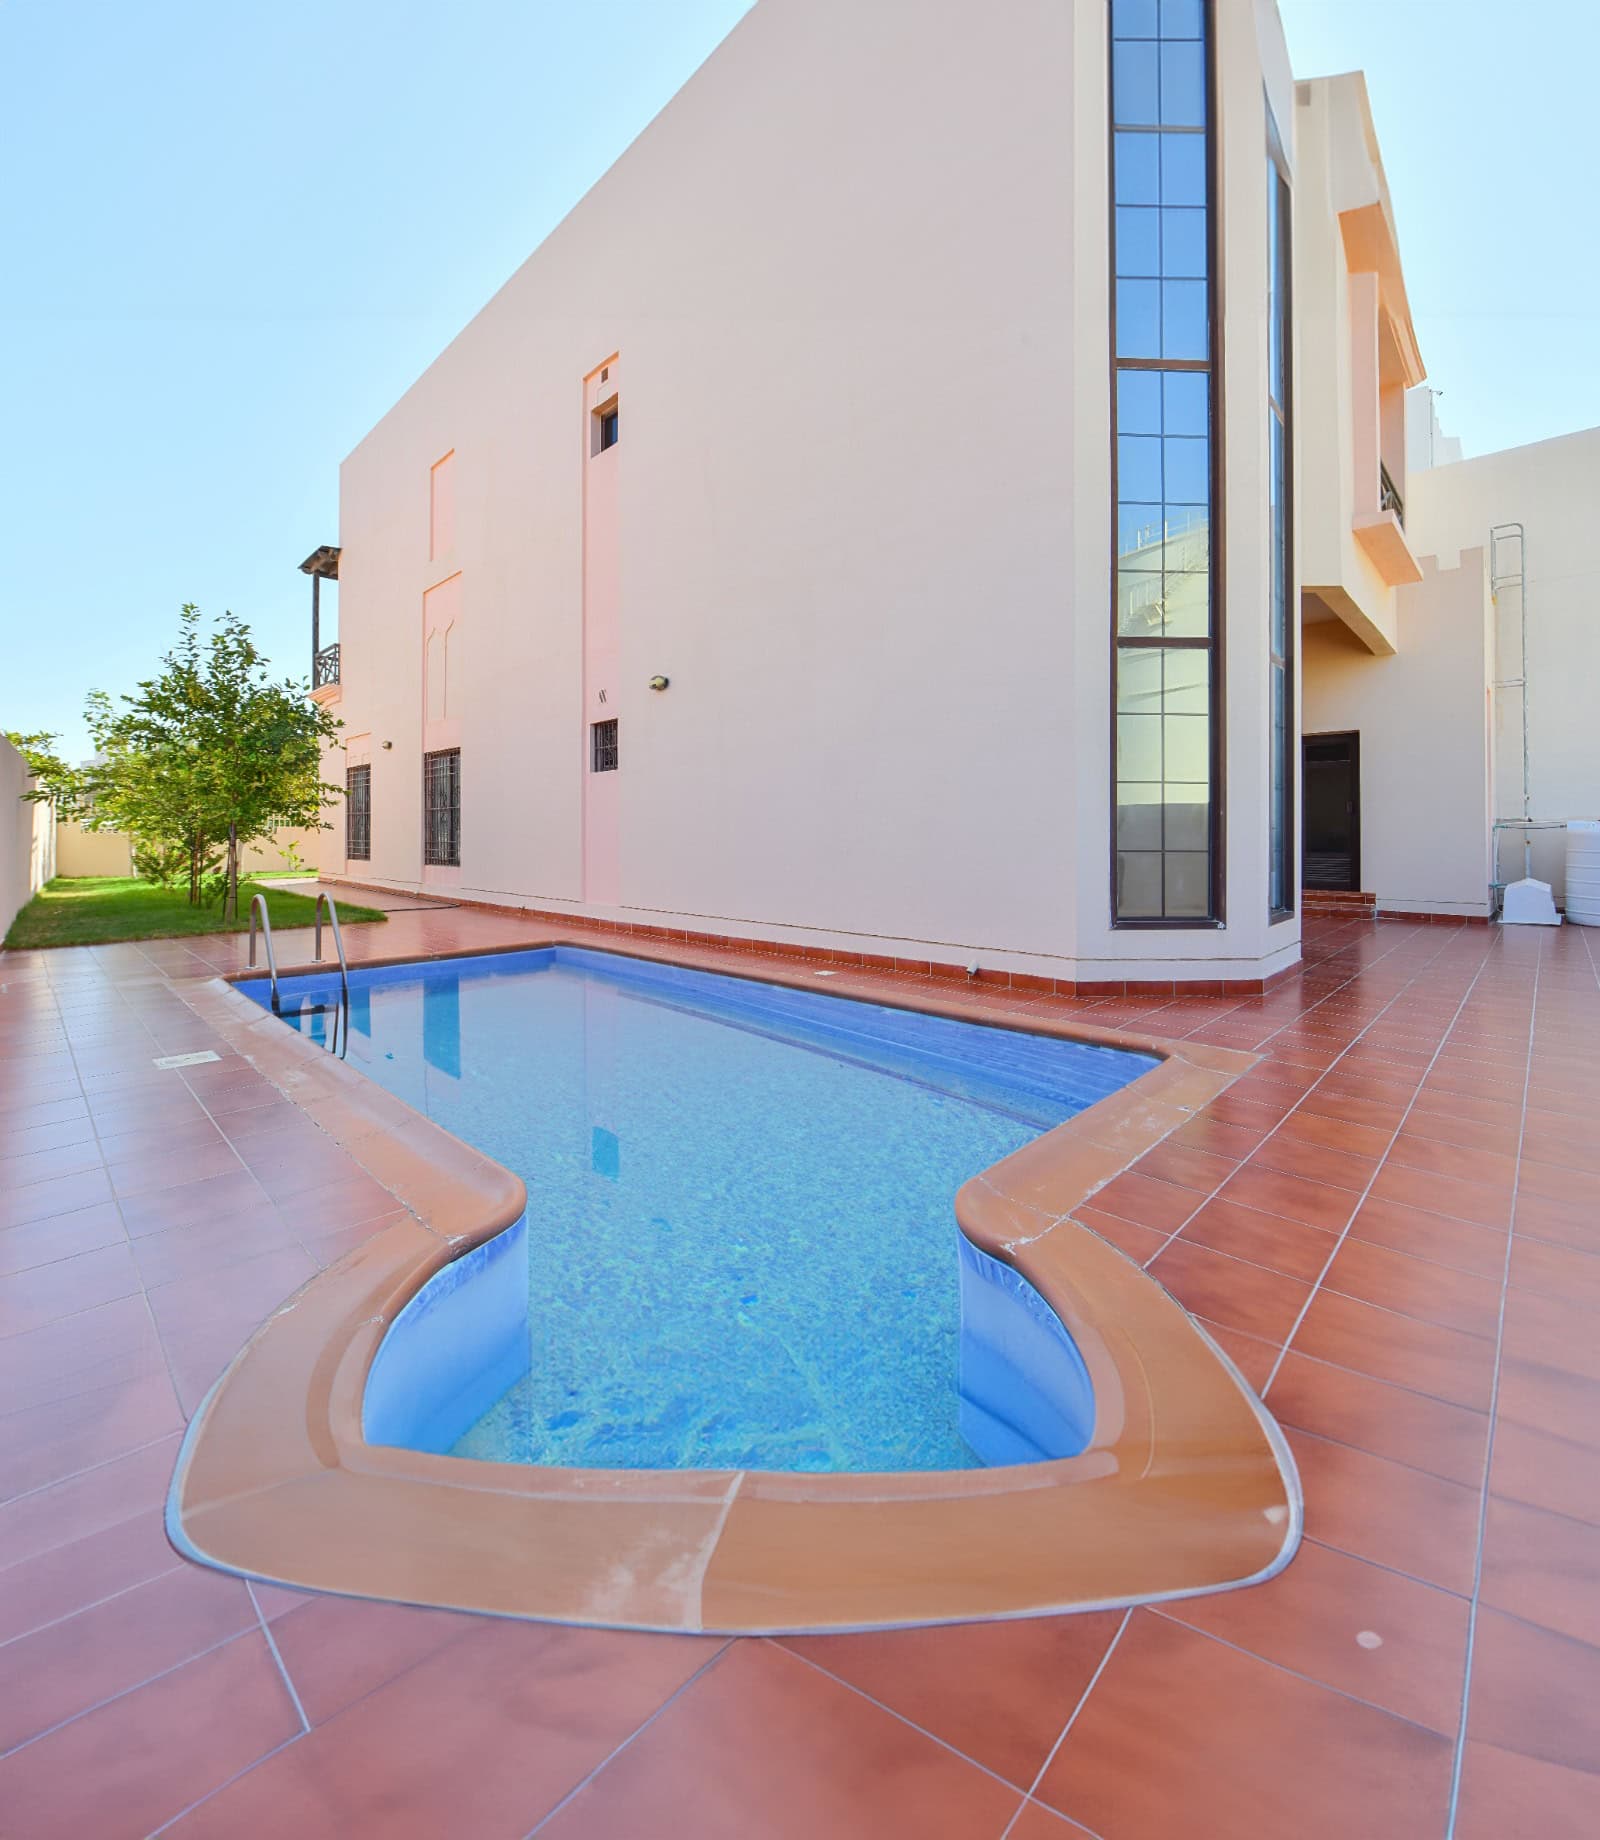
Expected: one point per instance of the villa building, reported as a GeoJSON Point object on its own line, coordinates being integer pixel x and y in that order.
{"type": "Point", "coordinates": [916, 504]}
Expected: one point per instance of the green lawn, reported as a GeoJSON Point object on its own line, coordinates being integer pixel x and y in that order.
{"type": "Point", "coordinates": [96, 910]}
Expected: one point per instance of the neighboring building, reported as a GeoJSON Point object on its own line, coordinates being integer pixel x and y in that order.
{"type": "Point", "coordinates": [931, 591]}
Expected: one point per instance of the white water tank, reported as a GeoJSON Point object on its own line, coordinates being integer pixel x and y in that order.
{"type": "Point", "coordinates": [1583, 871]}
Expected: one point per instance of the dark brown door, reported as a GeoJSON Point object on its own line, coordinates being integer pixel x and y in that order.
{"type": "Point", "coordinates": [1332, 830]}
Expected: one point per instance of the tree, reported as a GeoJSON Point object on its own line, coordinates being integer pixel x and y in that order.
{"type": "Point", "coordinates": [210, 753]}
{"type": "Point", "coordinates": [56, 781]}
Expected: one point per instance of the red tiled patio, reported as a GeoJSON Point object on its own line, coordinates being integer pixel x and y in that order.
{"type": "Point", "coordinates": [1392, 1224]}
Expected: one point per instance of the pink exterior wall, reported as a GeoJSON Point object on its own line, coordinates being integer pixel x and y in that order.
{"type": "Point", "coordinates": [867, 522]}
{"type": "Point", "coordinates": [602, 634]}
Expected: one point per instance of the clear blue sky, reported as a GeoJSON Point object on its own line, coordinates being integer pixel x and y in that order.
{"type": "Point", "coordinates": [214, 215]}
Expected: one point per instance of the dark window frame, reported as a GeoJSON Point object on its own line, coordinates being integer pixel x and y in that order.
{"type": "Point", "coordinates": [441, 816]}
{"type": "Point", "coordinates": [603, 746]}
{"type": "Point", "coordinates": [358, 814]}
{"type": "Point", "coordinates": [1281, 786]}
{"type": "Point", "coordinates": [1213, 368]}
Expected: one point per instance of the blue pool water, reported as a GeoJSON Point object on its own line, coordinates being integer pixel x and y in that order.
{"type": "Point", "coordinates": [741, 1245]}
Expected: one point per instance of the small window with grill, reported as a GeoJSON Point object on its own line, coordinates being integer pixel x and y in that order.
{"type": "Point", "coordinates": [358, 814]}
{"type": "Point", "coordinates": [603, 747]}
{"type": "Point", "coordinates": [605, 427]}
{"type": "Point", "coordinates": [441, 807]}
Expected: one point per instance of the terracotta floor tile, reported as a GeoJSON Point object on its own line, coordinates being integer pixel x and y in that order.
{"type": "Point", "coordinates": [83, 1504]}
{"type": "Point", "coordinates": [1262, 1239]}
{"type": "Point", "coordinates": [156, 1173]}
{"type": "Point", "coordinates": [60, 1195]}
{"type": "Point", "coordinates": [98, 1347]}
{"type": "Point", "coordinates": [1376, 1114]}
{"type": "Point", "coordinates": [130, 1766]}
{"type": "Point", "coordinates": [193, 1252]}
{"type": "Point", "coordinates": [338, 1649]}
{"type": "Point", "coordinates": [1232, 1141]}
{"type": "Point", "coordinates": [1505, 1796]}
{"type": "Point", "coordinates": [1335, 1134]}
{"type": "Point", "coordinates": [1313, 1204]}
{"type": "Point", "coordinates": [1374, 1509]}
{"type": "Point", "coordinates": [1552, 1331]}
{"type": "Point", "coordinates": [1400, 1349]}
{"type": "Point", "coordinates": [1544, 1470]}
{"type": "Point", "coordinates": [22, 1167]}
{"type": "Point", "coordinates": [1450, 1127]}
{"type": "Point", "coordinates": [1553, 1271]}
{"type": "Point", "coordinates": [1488, 1167]}
{"type": "Point", "coordinates": [999, 1692]}
{"type": "Point", "coordinates": [1555, 1183]}
{"type": "Point", "coordinates": [1350, 1408]}
{"type": "Point", "coordinates": [1379, 1637]}
{"type": "Point", "coordinates": [41, 1444]}
{"type": "Point", "coordinates": [1186, 1167]}
{"type": "Point", "coordinates": [62, 1236]}
{"type": "Point", "coordinates": [243, 1293]}
{"type": "Point", "coordinates": [67, 1578]}
{"type": "Point", "coordinates": [846, 1768]}
{"type": "Point", "coordinates": [1245, 1297]}
{"type": "Point", "coordinates": [1147, 1203]}
{"type": "Point", "coordinates": [1533, 1692]}
{"type": "Point", "coordinates": [1480, 1250]}
{"type": "Point", "coordinates": [1562, 1223]}
{"type": "Point", "coordinates": [483, 1737]}
{"type": "Point", "coordinates": [65, 1668]}
{"type": "Point", "coordinates": [1447, 1195]}
{"type": "Point", "coordinates": [1543, 1568]}
{"type": "Point", "coordinates": [1253, 1357]}
{"type": "Point", "coordinates": [194, 1204]}
{"type": "Point", "coordinates": [46, 1293]}
{"type": "Point", "coordinates": [1416, 1287]}
{"type": "Point", "coordinates": [1316, 1162]}
{"type": "Point", "coordinates": [1186, 1736]}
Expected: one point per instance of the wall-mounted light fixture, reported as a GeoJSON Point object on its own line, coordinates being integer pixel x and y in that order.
{"type": "Point", "coordinates": [387, 746]}
{"type": "Point", "coordinates": [659, 683]}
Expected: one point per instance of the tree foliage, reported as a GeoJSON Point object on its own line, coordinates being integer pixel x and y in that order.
{"type": "Point", "coordinates": [209, 755]}
{"type": "Point", "coordinates": [56, 780]}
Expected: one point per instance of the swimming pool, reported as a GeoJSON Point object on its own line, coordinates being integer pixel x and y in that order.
{"type": "Point", "coordinates": [740, 1249]}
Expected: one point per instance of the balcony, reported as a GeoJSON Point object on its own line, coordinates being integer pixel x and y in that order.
{"type": "Point", "coordinates": [326, 667]}
{"type": "Point", "coordinates": [1388, 498]}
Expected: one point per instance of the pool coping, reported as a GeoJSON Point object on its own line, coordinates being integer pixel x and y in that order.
{"type": "Point", "coordinates": [1186, 1486]}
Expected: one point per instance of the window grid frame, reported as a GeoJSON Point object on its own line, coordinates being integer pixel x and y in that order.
{"type": "Point", "coordinates": [358, 813]}
{"type": "Point", "coordinates": [604, 748]}
{"type": "Point", "coordinates": [441, 818]}
{"type": "Point", "coordinates": [1281, 780]}
{"type": "Point", "coordinates": [1212, 368]}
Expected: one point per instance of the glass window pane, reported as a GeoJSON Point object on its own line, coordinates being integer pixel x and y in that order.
{"type": "Point", "coordinates": [1138, 169]}
{"type": "Point", "coordinates": [1139, 468]}
{"type": "Point", "coordinates": [1184, 329]}
{"type": "Point", "coordinates": [1139, 603]}
{"type": "Point", "coordinates": [1186, 402]}
{"type": "Point", "coordinates": [1186, 470]}
{"type": "Point", "coordinates": [1187, 744]}
{"type": "Point", "coordinates": [1138, 240]}
{"type": "Point", "coordinates": [1139, 690]}
{"type": "Point", "coordinates": [1183, 84]}
{"type": "Point", "coordinates": [1135, 89]}
{"type": "Point", "coordinates": [1186, 823]}
{"type": "Point", "coordinates": [1139, 817]}
{"type": "Point", "coordinates": [1186, 681]}
{"type": "Point", "coordinates": [1182, 18]}
{"type": "Point", "coordinates": [1138, 886]}
{"type": "Point", "coordinates": [1139, 402]}
{"type": "Point", "coordinates": [1139, 318]}
{"type": "Point", "coordinates": [1183, 169]}
{"type": "Point", "coordinates": [1133, 19]}
{"type": "Point", "coordinates": [1186, 602]}
{"type": "Point", "coordinates": [1183, 241]}
{"type": "Point", "coordinates": [1139, 534]}
{"type": "Point", "coordinates": [1188, 894]}
{"type": "Point", "coordinates": [1139, 747]}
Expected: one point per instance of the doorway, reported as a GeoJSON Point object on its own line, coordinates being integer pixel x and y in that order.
{"type": "Point", "coordinates": [1332, 830]}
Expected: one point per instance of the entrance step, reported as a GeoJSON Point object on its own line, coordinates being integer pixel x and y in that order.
{"type": "Point", "coordinates": [1337, 904]}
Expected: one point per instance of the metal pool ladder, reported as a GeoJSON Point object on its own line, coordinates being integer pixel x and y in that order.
{"type": "Point", "coordinates": [338, 1043]}
{"type": "Point", "coordinates": [259, 907]}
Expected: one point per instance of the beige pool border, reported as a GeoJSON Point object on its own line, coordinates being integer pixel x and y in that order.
{"type": "Point", "coordinates": [1186, 1485]}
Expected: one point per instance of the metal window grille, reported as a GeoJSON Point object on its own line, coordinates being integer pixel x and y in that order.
{"type": "Point", "coordinates": [358, 814]}
{"type": "Point", "coordinates": [441, 807]}
{"type": "Point", "coordinates": [603, 747]}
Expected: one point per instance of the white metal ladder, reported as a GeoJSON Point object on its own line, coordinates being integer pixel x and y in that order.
{"type": "Point", "coordinates": [339, 1041]}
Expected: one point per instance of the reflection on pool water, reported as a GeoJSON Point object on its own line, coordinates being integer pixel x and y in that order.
{"type": "Point", "coordinates": [740, 1247]}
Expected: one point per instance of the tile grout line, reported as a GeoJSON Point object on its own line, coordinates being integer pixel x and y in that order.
{"type": "Point", "coordinates": [189, 1808]}
{"type": "Point", "coordinates": [1458, 1759]}
{"type": "Point", "coordinates": [1072, 1719]}
{"type": "Point", "coordinates": [272, 1646]}
{"type": "Point", "coordinates": [677, 1692]}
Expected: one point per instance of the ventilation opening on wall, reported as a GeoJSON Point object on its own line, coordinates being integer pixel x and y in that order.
{"type": "Point", "coordinates": [603, 747]}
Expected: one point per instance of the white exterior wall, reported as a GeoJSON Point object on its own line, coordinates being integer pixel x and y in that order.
{"type": "Point", "coordinates": [857, 275]}
{"type": "Point", "coordinates": [27, 837]}
{"type": "Point", "coordinates": [1551, 488]}
{"type": "Point", "coordinates": [1426, 754]}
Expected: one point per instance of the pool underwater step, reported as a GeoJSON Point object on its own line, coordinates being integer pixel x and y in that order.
{"type": "Point", "coordinates": [1184, 1485]}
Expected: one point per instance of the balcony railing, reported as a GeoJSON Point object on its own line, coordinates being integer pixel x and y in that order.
{"type": "Point", "coordinates": [1388, 498]}
{"type": "Point", "coordinates": [326, 667]}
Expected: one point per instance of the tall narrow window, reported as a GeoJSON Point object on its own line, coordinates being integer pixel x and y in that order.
{"type": "Point", "coordinates": [1280, 487]}
{"type": "Point", "coordinates": [441, 807]}
{"type": "Point", "coordinates": [358, 814]}
{"type": "Point", "coordinates": [1166, 869]}
{"type": "Point", "coordinates": [603, 747]}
